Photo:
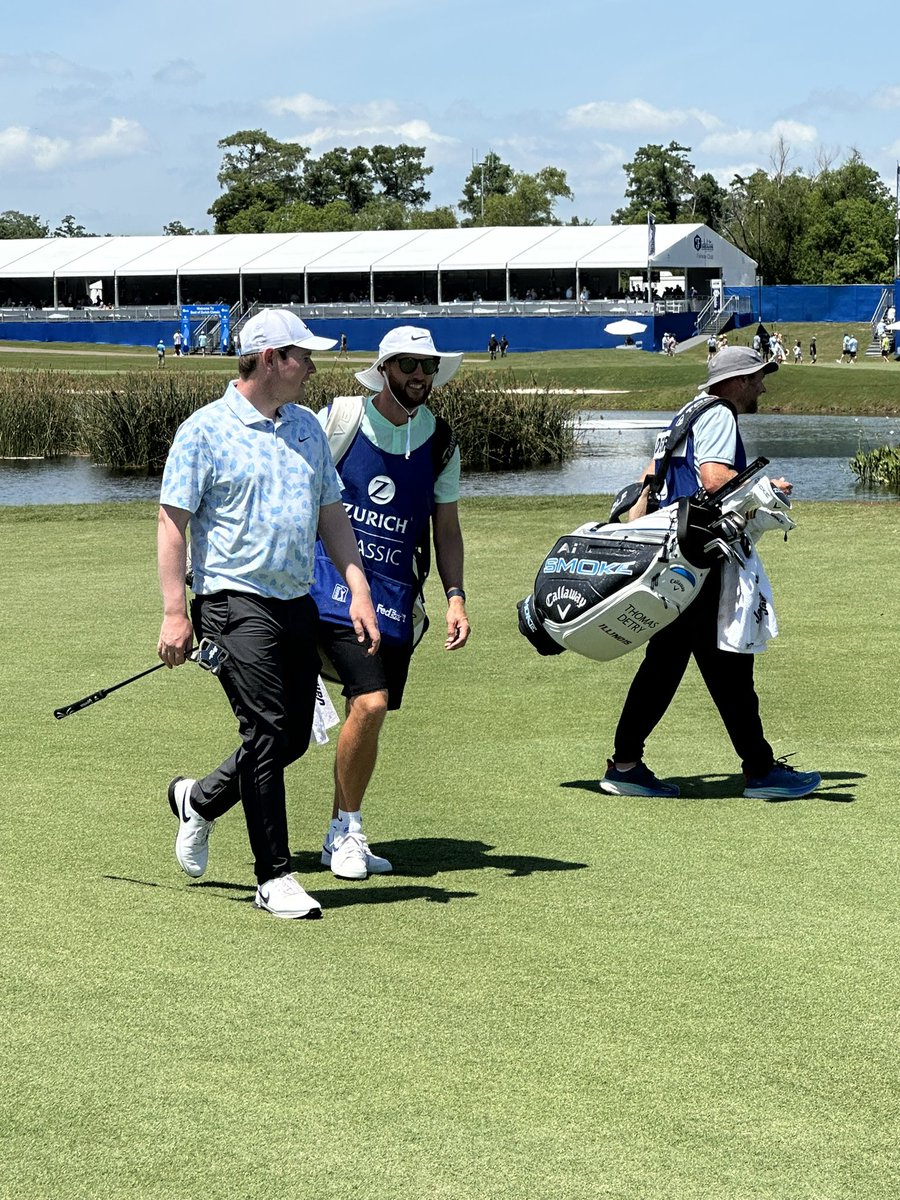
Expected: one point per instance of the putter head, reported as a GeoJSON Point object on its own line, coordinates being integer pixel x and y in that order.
{"type": "Point", "coordinates": [209, 656]}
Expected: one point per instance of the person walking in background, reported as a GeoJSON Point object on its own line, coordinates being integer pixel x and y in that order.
{"type": "Point", "coordinates": [845, 349]}
{"type": "Point", "coordinates": [885, 347]}
{"type": "Point", "coordinates": [812, 349]}
{"type": "Point", "coordinates": [400, 474]}
{"type": "Point", "coordinates": [504, 345]}
{"type": "Point", "coordinates": [252, 475]}
{"type": "Point", "coordinates": [713, 454]}
{"type": "Point", "coordinates": [853, 348]}
{"type": "Point", "coordinates": [798, 352]}
{"type": "Point", "coordinates": [160, 353]}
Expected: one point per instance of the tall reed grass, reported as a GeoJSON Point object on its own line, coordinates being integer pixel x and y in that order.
{"type": "Point", "coordinates": [38, 414]}
{"type": "Point", "coordinates": [128, 420]}
{"type": "Point", "coordinates": [879, 467]}
{"type": "Point", "coordinates": [497, 429]}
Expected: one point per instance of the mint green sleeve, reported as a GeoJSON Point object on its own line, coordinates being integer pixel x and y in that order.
{"type": "Point", "coordinates": [446, 486]}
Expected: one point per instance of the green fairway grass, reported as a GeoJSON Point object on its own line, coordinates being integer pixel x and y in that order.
{"type": "Point", "coordinates": [558, 995]}
{"type": "Point", "coordinates": [652, 382]}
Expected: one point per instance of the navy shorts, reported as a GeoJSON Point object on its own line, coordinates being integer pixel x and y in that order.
{"type": "Point", "coordinates": [359, 671]}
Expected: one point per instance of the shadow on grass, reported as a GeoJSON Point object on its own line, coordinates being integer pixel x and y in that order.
{"type": "Point", "coordinates": [337, 898]}
{"type": "Point", "coordinates": [418, 857]}
{"type": "Point", "coordinates": [731, 787]}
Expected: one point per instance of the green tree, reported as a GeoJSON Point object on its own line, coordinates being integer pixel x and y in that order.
{"type": "Point", "coordinates": [531, 200]}
{"type": "Point", "coordinates": [492, 177]}
{"type": "Point", "coordinates": [399, 172]}
{"type": "Point", "coordinates": [14, 224]}
{"type": "Point", "coordinates": [301, 217]}
{"type": "Point", "coordinates": [179, 229]}
{"type": "Point", "coordinates": [836, 226]}
{"type": "Point", "coordinates": [252, 156]}
{"type": "Point", "coordinates": [339, 174]}
{"type": "Point", "coordinates": [69, 227]}
{"type": "Point", "coordinates": [442, 217]}
{"type": "Point", "coordinates": [258, 174]}
{"type": "Point", "coordinates": [660, 181]}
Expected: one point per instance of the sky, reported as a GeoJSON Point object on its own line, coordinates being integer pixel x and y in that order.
{"type": "Point", "coordinates": [112, 112]}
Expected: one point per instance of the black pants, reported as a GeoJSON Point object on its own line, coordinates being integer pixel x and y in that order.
{"type": "Point", "coordinates": [728, 678]}
{"type": "Point", "coordinates": [270, 681]}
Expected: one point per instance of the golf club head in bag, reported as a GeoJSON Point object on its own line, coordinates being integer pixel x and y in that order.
{"type": "Point", "coordinates": [604, 590]}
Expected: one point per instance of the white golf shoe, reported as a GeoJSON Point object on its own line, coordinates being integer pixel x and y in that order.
{"type": "Point", "coordinates": [192, 839]}
{"type": "Point", "coordinates": [284, 897]}
{"type": "Point", "coordinates": [349, 856]}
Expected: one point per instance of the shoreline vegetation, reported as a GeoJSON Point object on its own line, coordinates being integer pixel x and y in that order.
{"type": "Point", "coordinates": [116, 407]}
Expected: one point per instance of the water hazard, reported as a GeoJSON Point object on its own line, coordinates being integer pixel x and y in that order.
{"type": "Point", "coordinates": [812, 452]}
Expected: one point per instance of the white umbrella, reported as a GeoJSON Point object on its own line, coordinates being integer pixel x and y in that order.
{"type": "Point", "coordinates": [625, 327]}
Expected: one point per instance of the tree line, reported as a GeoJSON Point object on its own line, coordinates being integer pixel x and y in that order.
{"type": "Point", "coordinates": [835, 224]}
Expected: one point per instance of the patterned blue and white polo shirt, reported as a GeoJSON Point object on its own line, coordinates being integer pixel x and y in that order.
{"type": "Point", "coordinates": [254, 488]}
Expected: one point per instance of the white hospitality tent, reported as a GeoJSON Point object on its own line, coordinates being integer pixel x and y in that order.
{"type": "Point", "coordinates": [432, 266]}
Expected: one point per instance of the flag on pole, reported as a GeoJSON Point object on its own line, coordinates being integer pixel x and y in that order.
{"type": "Point", "coordinates": [651, 230]}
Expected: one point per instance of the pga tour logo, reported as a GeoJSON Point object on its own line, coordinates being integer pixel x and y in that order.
{"type": "Point", "coordinates": [340, 593]}
{"type": "Point", "coordinates": [382, 489]}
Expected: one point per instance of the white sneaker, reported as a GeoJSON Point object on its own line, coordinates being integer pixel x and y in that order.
{"type": "Point", "coordinates": [284, 897]}
{"type": "Point", "coordinates": [192, 839]}
{"type": "Point", "coordinates": [349, 856]}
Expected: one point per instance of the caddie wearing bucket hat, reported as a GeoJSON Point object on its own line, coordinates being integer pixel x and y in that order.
{"type": "Point", "coordinates": [252, 475]}
{"type": "Point", "coordinates": [399, 469]}
{"type": "Point", "coordinates": [711, 454]}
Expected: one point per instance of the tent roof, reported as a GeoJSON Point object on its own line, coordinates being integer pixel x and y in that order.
{"type": "Point", "coordinates": [472, 249]}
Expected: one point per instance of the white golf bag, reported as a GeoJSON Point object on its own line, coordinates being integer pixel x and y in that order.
{"type": "Point", "coordinates": [606, 589]}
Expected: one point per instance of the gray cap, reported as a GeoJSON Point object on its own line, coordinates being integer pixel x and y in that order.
{"type": "Point", "coordinates": [732, 361]}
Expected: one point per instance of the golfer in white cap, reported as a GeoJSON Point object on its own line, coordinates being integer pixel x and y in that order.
{"type": "Point", "coordinates": [399, 469]}
{"type": "Point", "coordinates": [252, 475]}
{"type": "Point", "coordinates": [712, 454]}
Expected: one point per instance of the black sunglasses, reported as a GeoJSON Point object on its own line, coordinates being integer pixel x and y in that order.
{"type": "Point", "coordinates": [408, 364]}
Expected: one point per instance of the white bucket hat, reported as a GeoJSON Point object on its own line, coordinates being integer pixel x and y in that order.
{"type": "Point", "coordinates": [278, 328]}
{"type": "Point", "coordinates": [408, 339]}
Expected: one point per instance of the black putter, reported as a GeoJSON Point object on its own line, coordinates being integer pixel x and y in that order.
{"type": "Point", "coordinates": [208, 655]}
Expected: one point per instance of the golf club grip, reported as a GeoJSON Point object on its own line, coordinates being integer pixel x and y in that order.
{"type": "Point", "coordinates": [77, 705]}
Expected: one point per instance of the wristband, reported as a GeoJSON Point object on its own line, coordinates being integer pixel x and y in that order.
{"type": "Point", "coordinates": [451, 592]}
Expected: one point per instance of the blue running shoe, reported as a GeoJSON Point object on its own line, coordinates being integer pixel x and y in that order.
{"type": "Point", "coordinates": [781, 782]}
{"type": "Point", "coordinates": [639, 781]}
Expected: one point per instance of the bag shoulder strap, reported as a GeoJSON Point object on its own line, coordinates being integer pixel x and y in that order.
{"type": "Point", "coordinates": [342, 424]}
{"type": "Point", "coordinates": [677, 435]}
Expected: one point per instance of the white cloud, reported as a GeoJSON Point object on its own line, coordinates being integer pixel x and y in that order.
{"type": "Point", "coordinates": [22, 147]}
{"type": "Point", "coordinates": [179, 73]}
{"type": "Point", "coordinates": [887, 97]}
{"type": "Point", "coordinates": [637, 114]}
{"type": "Point", "coordinates": [302, 105]}
{"type": "Point", "coordinates": [121, 138]}
{"type": "Point", "coordinates": [376, 119]}
{"type": "Point", "coordinates": [759, 141]}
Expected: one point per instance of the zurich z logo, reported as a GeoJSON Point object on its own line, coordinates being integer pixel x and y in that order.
{"type": "Point", "coordinates": [382, 489]}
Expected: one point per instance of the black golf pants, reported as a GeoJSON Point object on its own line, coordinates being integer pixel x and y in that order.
{"type": "Point", "coordinates": [270, 681]}
{"type": "Point", "coordinates": [728, 678]}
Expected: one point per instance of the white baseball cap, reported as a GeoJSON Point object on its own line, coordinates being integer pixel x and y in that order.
{"type": "Point", "coordinates": [408, 339]}
{"type": "Point", "coordinates": [277, 328]}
